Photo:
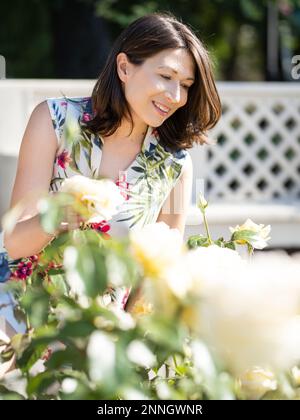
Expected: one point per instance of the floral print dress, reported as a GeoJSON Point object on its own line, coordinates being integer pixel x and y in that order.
{"type": "Point", "coordinates": [145, 184]}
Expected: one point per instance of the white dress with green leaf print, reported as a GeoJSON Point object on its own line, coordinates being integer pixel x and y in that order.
{"type": "Point", "coordinates": [145, 184]}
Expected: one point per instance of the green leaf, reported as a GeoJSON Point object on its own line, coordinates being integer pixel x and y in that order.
{"type": "Point", "coordinates": [90, 265]}
{"type": "Point", "coordinates": [243, 235]}
{"type": "Point", "coordinates": [76, 329]}
{"type": "Point", "coordinates": [51, 214]}
{"type": "Point", "coordinates": [39, 383]}
{"type": "Point", "coordinates": [6, 355]}
{"type": "Point", "coordinates": [69, 356]}
{"type": "Point", "coordinates": [181, 370]}
{"type": "Point", "coordinates": [36, 304]}
{"type": "Point", "coordinates": [56, 272]}
{"type": "Point", "coordinates": [56, 285]}
{"type": "Point", "coordinates": [60, 240]}
{"type": "Point", "coordinates": [162, 332]}
{"type": "Point", "coordinates": [195, 241]}
{"type": "Point", "coordinates": [54, 251]}
{"type": "Point", "coordinates": [230, 245]}
{"type": "Point", "coordinates": [32, 354]}
{"type": "Point", "coordinates": [43, 337]}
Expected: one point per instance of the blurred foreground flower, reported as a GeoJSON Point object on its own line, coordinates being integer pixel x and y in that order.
{"type": "Point", "coordinates": [101, 354]}
{"type": "Point", "coordinates": [197, 270]}
{"type": "Point", "coordinates": [156, 247]}
{"type": "Point", "coordinates": [295, 371]}
{"type": "Point", "coordinates": [192, 277]}
{"type": "Point", "coordinates": [250, 313]}
{"type": "Point", "coordinates": [141, 307]}
{"type": "Point", "coordinates": [256, 382]}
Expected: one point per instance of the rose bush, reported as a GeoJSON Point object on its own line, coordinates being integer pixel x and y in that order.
{"type": "Point", "coordinates": [200, 322]}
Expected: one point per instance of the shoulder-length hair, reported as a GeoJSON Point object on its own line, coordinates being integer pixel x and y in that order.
{"type": "Point", "coordinates": [142, 39]}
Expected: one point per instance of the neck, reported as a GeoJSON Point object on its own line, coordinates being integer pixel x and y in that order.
{"type": "Point", "coordinates": [124, 132]}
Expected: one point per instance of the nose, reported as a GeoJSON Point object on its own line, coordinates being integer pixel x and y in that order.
{"type": "Point", "coordinates": [173, 93]}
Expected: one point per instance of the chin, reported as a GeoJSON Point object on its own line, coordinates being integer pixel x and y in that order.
{"type": "Point", "coordinates": [157, 122]}
{"type": "Point", "coordinates": [155, 125]}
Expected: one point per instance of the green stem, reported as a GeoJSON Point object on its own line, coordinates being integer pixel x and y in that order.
{"type": "Point", "coordinates": [206, 227]}
{"type": "Point", "coordinates": [250, 251]}
{"type": "Point", "coordinates": [174, 360]}
{"type": "Point", "coordinates": [167, 371]}
{"type": "Point", "coordinates": [28, 326]}
{"type": "Point", "coordinates": [29, 282]}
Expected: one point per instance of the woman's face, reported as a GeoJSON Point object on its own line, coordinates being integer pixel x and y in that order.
{"type": "Point", "coordinates": [158, 87]}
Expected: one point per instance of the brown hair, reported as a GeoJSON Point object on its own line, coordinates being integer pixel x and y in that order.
{"type": "Point", "coordinates": [142, 39]}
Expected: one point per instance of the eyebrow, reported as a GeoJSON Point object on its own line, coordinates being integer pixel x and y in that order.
{"type": "Point", "coordinates": [175, 71]}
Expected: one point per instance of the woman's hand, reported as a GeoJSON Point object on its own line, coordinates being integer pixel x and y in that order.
{"type": "Point", "coordinates": [71, 220]}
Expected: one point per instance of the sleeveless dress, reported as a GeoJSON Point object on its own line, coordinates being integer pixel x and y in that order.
{"type": "Point", "coordinates": [145, 184]}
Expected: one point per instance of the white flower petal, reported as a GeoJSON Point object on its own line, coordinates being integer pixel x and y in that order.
{"type": "Point", "coordinates": [138, 353]}
{"type": "Point", "coordinates": [101, 352]}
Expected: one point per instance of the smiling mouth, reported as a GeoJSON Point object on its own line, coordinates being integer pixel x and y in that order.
{"type": "Point", "coordinates": [162, 110]}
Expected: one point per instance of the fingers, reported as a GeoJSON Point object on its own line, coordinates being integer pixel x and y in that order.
{"type": "Point", "coordinates": [71, 220]}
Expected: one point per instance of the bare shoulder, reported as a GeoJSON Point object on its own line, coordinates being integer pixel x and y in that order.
{"type": "Point", "coordinates": [41, 108]}
{"type": "Point", "coordinates": [40, 120]}
{"type": "Point", "coordinates": [39, 133]}
{"type": "Point", "coordinates": [37, 154]}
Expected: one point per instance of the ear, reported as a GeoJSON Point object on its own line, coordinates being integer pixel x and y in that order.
{"type": "Point", "coordinates": [123, 66]}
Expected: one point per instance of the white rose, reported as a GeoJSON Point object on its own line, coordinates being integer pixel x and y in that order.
{"type": "Point", "coordinates": [156, 247]}
{"type": "Point", "coordinates": [101, 197]}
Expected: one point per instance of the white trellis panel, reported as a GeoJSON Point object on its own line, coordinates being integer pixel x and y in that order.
{"type": "Point", "coordinates": [257, 156]}
{"type": "Point", "coordinates": [254, 168]}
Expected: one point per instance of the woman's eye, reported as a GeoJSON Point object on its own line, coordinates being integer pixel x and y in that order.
{"type": "Point", "coordinates": [169, 78]}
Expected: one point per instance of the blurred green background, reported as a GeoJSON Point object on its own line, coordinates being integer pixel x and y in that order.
{"type": "Point", "coordinates": [249, 39]}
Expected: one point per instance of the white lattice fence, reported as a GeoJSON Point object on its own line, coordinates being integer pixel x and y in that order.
{"type": "Point", "coordinates": [254, 169]}
{"type": "Point", "coordinates": [257, 156]}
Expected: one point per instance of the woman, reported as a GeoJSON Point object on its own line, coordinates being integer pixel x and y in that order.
{"type": "Point", "coordinates": [155, 97]}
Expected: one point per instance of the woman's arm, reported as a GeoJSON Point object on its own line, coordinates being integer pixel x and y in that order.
{"type": "Point", "coordinates": [175, 208]}
{"type": "Point", "coordinates": [35, 167]}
